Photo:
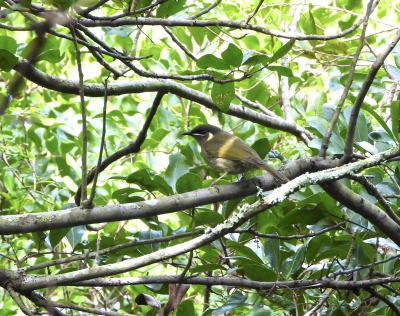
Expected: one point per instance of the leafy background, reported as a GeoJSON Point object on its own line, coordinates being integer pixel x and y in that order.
{"type": "Point", "coordinates": [224, 63]}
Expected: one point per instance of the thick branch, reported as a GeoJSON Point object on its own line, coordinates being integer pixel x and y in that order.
{"type": "Point", "coordinates": [204, 23]}
{"type": "Point", "coordinates": [240, 282]}
{"type": "Point", "coordinates": [151, 85]}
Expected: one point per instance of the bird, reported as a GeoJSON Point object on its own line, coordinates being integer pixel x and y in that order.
{"type": "Point", "coordinates": [228, 154]}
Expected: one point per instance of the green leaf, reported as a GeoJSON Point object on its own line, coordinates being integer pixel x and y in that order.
{"type": "Point", "coordinates": [7, 60]}
{"type": "Point", "coordinates": [260, 311]}
{"type": "Point", "coordinates": [233, 56]}
{"type": "Point", "coordinates": [292, 264]}
{"type": "Point", "coordinates": [283, 71]}
{"type": "Point", "coordinates": [8, 43]}
{"type": "Point", "coordinates": [282, 51]}
{"type": "Point", "coordinates": [207, 218]}
{"type": "Point", "coordinates": [257, 60]}
{"type": "Point", "coordinates": [151, 234]}
{"type": "Point", "coordinates": [188, 182]}
{"type": "Point", "coordinates": [75, 234]}
{"type": "Point", "coordinates": [361, 131]}
{"type": "Point", "coordinates": [125, 195]}
{"type": "Point", "coordinates": [52, 56]}
{"type": "Point", "coordinates": [56, 235]}
{"type": "Point", "coordinates": [245, 251]}
{"type": "Point", "coordinates": [177, 167]}
{"type": "Point", "coordinates": [377, 117]}
{"type": "Point", "coordinates": [229, 206]}
{"type": "Point", "coordinates": [143, 179]}
{"type": "Point", "coordinates": [273, 253]}
{"type": "Point", "coordinates": [334, 47]}
{"type": "Point", "coordinates": [169, 8]}
{"type": "Point", "coordinates": [162, 185]}
{"type": "Point", "coordinates": [210, 61]}
{"type": "Point", "coordinates": [185, 308]}
{"type": "Point", "coordinates": [394, 72]}
{"type": "Point", "coordinates": [358, 81]}
{"type": "Point", "coordinates": [368, 147]}
{"type": "Point", "coordinates": [302, 216]}
{"type": "Point", "coordinates": [394, 114]}
{"type": "Point", "coordinates": [315, 246]}
{"type": "Point", "coordinates": [257, 272]}
{"type": "Point", "coordinates": [260, 92]}
{"type": "Point", "coordinates": [381, 137]}
{"type": "Point", "coordinates": [223, 94]}
{"type": "Point", "coordinates": [308, 23]}
{"type": "Point", "coordinates": [262, 147]}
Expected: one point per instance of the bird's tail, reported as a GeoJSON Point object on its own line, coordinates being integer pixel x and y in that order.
{"type": "Point", "coordinates": [275, 173]}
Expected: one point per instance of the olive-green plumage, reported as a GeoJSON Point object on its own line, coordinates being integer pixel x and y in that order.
{"type": "Point", "coordinates": [227, 153]}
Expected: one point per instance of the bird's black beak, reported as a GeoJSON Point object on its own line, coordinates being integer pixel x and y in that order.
{"type": "Point", "coordinates": [186, 133]}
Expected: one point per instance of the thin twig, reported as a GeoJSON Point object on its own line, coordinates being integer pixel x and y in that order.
{"type": "Point", "coordinates": [84, 124]}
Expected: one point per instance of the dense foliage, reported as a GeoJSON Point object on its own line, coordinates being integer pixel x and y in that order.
{"type": "Point", "coordinates": [96, 94]}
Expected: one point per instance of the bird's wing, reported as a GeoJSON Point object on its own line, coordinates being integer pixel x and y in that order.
{"type": "Point", "coordinates": [225, 145]}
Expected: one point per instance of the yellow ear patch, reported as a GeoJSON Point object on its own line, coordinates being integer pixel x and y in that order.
{"type": "Point", "coordinates": [210, 135]}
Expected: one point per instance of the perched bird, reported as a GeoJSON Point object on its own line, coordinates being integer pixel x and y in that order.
{"type": "Point", "coordinates": [226, 153]}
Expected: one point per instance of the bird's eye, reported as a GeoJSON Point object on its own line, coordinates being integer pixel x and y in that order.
{"type": "Point", "coordinates": [201, 133]}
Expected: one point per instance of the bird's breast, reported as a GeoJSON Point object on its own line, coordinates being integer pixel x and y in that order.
{"type": "Point", "coordinates": [223, 165]}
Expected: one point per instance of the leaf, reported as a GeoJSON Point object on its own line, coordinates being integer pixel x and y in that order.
{"type": "Point", "coordinates": [229, 206]}
{"type": "Point", "coordinates": [207, 218]}
{"type": "Point", "coordinates": [308, 24]}
{"type": "Point", "coordinates": [169, 8]}
{"type": "Point", "coordinates": [223, 94]}
{"type": "Point", "coordinates": [283, 71]}
{"type": "Point", "coordinates": [257, 60]}
{"type": "Point", "coordinates": [245, 251]}
{"type": "Point", "coordinates": [381, 137]}
{"type": "Point", "coordinates": [258, 272]}
{"type": "Point", "coordinates": [151, 234]}
{"type": "Point", "coordinates": [292, 264]}
{"type": "Point", "coordinates": [52, 56]}
{"type": "Point", "coordinates": [8, 43]}
{"type": "Point", "coordinates": [303, 216]}
{"type": "Point", "coordinates": [368, 147]}
{"type": "Point", "coordinates": [282, 51]}
{"type": "Point", "coordinates": [377, 117]}
{"type": "Point", "coordinates": [188, 182]}
{"type": "Point", "coordinates": [7, 60]}
{"type": "Point", "coordinates": [56, 235]}
{"type": "Point", "coordinates": [394, 72]}
{"type": "Point", "coordinates": [177, 167]}
{"type": "Point", "coordinates": [233, 56]}
{"type": "Point", "coordinates": [272, 253]}
{"type": "Point", "coordinates": [260, 93]}
{"type": "Point", "coordinates": [143, 179]}
{"type": "Point", "coordinates": [125, 195]}
{"type": "Point", "coordinates": [394, 114]}
{"type": "Point", "coordinates": [262, 147]}
{"type": "Point", "coordinates": [75, 234]}
{"type": "Point", "coordinates": [315, 245]}
{"type": "Point", "coordinates": [361, 130]}
{"type": "Point", "coordinates": [260, 311]}
{"type": "Point", "coordinates": [383, 242]}
{"type": "Point", "coordinates": [210, 61]}
{"type": "Point", "coordinates": [185, 308]}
